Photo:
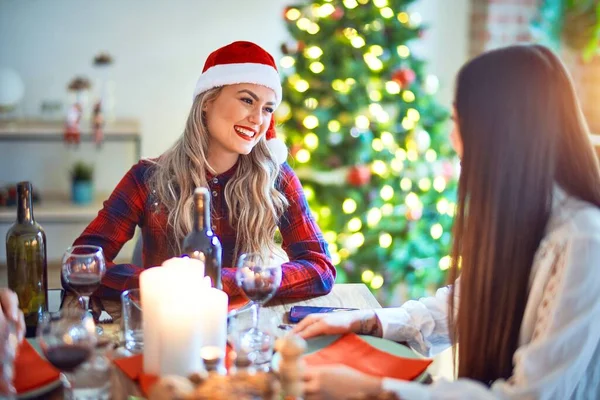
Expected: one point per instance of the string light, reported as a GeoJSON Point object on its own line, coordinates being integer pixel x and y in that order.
{"type": "Point", "coordinates": [397, 165]}
{"type": "Point", "coordinates": [303, 23]}
{"type": "Point", "coordinates": [436, 231]}
{"type": "Point", "coordinates": [354, 224]}
{"type": "Point", "coordinates": [405, 184]}
{"type": "Point", "coordinates": [380, 3]}
{"type": "Point", "coordinates": [357, 42]}
{"type": "Point", "coordinates": [387, 12]}
{"type": "Point", "coordinates": [344, 253]}
{"type": "Point", "coordinates": [325, 10]}
{"type": "Point", "coordinates": [392, 87]}
{"type": "Point", "coordinates": [330, 236]}
{"type": "Point", "coordinates": [373, 217]}
{"type": "Point", "coordinates": [386, 192]}
{"type": "Point", "coordinates": [408, 96]}
{"type": "Point", "coordinates": [412, 200]}
{"type": "Point", "coordinates": [313, 52]}
{"type": "Point", "coordinates": [376, 50]}
{"type": "Point", "coordinates": [430, 155]}
{"type": "Point", "coordinates": [334, 126]}
{"type": "Point", "coordinates": [310, 122]}
{"type": "Point", "coordinates": [356, 240]}
{"type": "Point", "coordinates": [412, 155]}
{"type": "Point", "coordinates": [385, 240]}
{"type": "Point", "coordinates": [403, 51]}
{"type": "Point", "coordinates": [293, 14]}
{"type": "Point", "coordinates": [309, 192]}
{"type": "Point", "coordinates": [439, 184]}
{"type": "Point", "coordinates": [349, 206]}
{"type": "Point", "coordinates": [451, 209]}
{"type": "Point", "coordinates": [287, 62]}
{"type": "Point", "coordinates": [377, 282]}
{"type": "Point", "coordinates": [350, 4]}
{"type": "Point", "coordinates": [413, 114]}
{"type": "Point", "coordinates": [377, 144]}
{"type": "Point", "coordinates": [442, 206]}
{"type": "Point", "coordinates": [425, 184]}
{"type": "Point", "coordinates": [362, 122]}
{"type": "Point", "coordinates": [316, 67]}
{"type": "Point", "coordinates": [311, 141]}
{"type": "Point", "coordinates": [311, 103]}
{"type": "Point", "coordinates": [303, 156]}
{"type": "Point", "coordinates": [333, 248]}
{"type": "Point", "coordinates": [313, 29]}
{"type": "Point", "coordinates": [301, 86]}
{"type": "Point", "coordinates": [379, 167]}
{"type": "Point", "coordinates": [325, 212]}
{"type": "Point", "coordinates": [408, 123]}
{"type": "Point", "coordinates": [335, 259]}
{"type": "Point", "coordinates": [400, 154]}
{"type": "Point", "coordinates": [444, 263]}
{"type": "Point", "coordinates": [367, 276]}
{"type": "Point", "coordinates": [416, 19]}
{"type": "Point", "coordinates": [373, 62]}
{"type": "Point", "coordinates": [388, 139]}
{"type": "Point", "coordinates": [403, 17]}
{"type": "Point", "coordinates": [350, 32]}
{"type": "Point", "coordinates": [375, 95]}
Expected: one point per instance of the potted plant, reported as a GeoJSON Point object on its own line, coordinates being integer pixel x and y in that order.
{"type": "Point", "coordinates": [81, 183]}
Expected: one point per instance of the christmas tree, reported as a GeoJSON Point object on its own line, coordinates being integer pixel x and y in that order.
{"type": "Point", "coordinates": [369, 142]}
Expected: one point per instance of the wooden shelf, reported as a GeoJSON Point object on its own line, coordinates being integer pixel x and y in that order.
{"type": "Point", "coordinates": [56, 210]}
{"type": "Point", "coordinates": [33, 130]}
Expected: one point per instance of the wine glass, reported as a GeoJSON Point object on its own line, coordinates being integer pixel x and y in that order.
{"type": "Point", "coordinates": [82, 269]}
{"type": "Point", "coordinates": [259, 276]}
{"type": "Point", "coordinates": [67, 339]}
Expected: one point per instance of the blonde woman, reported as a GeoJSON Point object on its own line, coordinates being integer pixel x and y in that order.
{"type": "Point", "coordinates": [229, 146]}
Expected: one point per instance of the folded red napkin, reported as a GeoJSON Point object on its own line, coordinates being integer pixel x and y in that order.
{"type": "Point", "coordinates": [133, 367]}
{"type": "Point", "coordinates": [352, 351]}
{"type": "Point", "coordinates": [31, 370]}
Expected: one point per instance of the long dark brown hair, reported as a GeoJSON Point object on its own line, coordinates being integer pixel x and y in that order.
{"type": "Point", "coordinates": [523, 133]}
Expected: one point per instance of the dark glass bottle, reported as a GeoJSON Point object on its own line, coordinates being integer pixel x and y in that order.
{"type": "Point", "coordinates": [26, 260]}
{"type": "Point", "coordinates": [201, 242]}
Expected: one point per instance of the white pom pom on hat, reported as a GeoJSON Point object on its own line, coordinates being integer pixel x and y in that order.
{"type": "Point", "coordinates": [244, 62]}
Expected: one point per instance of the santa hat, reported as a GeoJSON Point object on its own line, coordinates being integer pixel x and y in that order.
{"type": "Point", "coordinates": [244, 62]}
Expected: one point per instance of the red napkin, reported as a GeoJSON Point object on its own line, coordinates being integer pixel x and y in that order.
{"type": "Point", "coordinates": [352, 351]}
{"type": "Point", "coordinates": [133, 367]}
{"type": "Point", "coordinates": [31, 370]}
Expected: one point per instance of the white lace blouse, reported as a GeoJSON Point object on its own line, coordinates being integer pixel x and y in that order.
{"type": "Point", "coordinates": [559, 345]}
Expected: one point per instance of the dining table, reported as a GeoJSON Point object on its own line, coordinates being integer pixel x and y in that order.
{"type": "Point", "coordinates": [345, 295]}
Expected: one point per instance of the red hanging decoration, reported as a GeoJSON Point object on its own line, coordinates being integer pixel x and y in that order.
{"type": "Point", "coordinates": [359, 175]}
{"type": "Point", "coordinates": [404, 77]}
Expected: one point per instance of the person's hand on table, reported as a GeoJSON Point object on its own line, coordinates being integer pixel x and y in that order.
{"type": "Point", "coordinates": [364, 322]}
{"type": "Point", "coordinates": [10, 318]}
{"type": "Point", "coordinates": [338, 382]}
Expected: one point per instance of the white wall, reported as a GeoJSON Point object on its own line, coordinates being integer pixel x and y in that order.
{"type": "Point", "coordinates": [159, 49]}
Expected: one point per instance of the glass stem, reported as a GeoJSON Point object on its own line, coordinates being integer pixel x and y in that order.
{"type": "Point", "coordinates": [85, 301]}
{"type": "Point", "coordinates": [255, 313]}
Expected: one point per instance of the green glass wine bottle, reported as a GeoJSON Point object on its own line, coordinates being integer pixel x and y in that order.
{"type": "Point", "coordinates": [26, 260]}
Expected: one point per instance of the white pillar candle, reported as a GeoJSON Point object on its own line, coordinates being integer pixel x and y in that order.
{"type": "Point", "coordinates": [152, 292]}
{"type": "Point", "coordinates": [213, 321]}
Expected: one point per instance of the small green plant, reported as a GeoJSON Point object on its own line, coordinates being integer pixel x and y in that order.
{"type": "Point", "coordinates": [82, 172]}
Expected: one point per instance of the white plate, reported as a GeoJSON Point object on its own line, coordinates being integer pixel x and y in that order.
{"type": "Point", "coordinates": [385, 345]}
{"type": "Point", "coordinates": [42, 389]}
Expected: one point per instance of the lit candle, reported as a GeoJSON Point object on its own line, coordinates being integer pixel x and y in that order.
{"type": "Point", "coordinates": [213, 324]}
{"type": "Point", "coordinates": [152, 293]}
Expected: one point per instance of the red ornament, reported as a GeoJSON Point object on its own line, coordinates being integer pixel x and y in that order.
{"type": "Point", "coordinates": [404, 77]}
{"type": "Point", "coordinates": [359, 175]}
{"type": "Point", "coordinates": [337, 14]}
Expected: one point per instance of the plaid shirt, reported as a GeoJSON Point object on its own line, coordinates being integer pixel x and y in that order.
{"type": "Point", "coordinates": [308, 273]}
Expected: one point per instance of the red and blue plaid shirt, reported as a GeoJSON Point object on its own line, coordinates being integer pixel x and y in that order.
{"type": "Point", "coordinates": [309, 271]}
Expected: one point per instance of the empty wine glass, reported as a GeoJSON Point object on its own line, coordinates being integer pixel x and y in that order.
{"type": "Point", "coordinates": [259, 276]}
{"type": "Point", "coordinates": [67, 339]}
{"type": "Point", "coordinates": [82, 269]}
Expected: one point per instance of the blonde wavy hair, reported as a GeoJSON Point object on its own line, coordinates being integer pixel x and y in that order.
{"type": "Point", "coordinates": [254, 204]}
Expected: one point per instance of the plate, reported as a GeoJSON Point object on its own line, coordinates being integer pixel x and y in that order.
{"type": "Point", "coordinates": [385, 345]}
{"type": "Point", "coordinates": [42, 389]}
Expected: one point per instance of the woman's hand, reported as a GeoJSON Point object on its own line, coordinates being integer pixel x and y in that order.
{"type": "Point", "coordinates": [10, 311]}
{"type": "Point", "coordinates": [364, 322]}
{"type": "Point", "coordinates": [338, 382]}
{"type": "Point", "coordinates": [9, 315]}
